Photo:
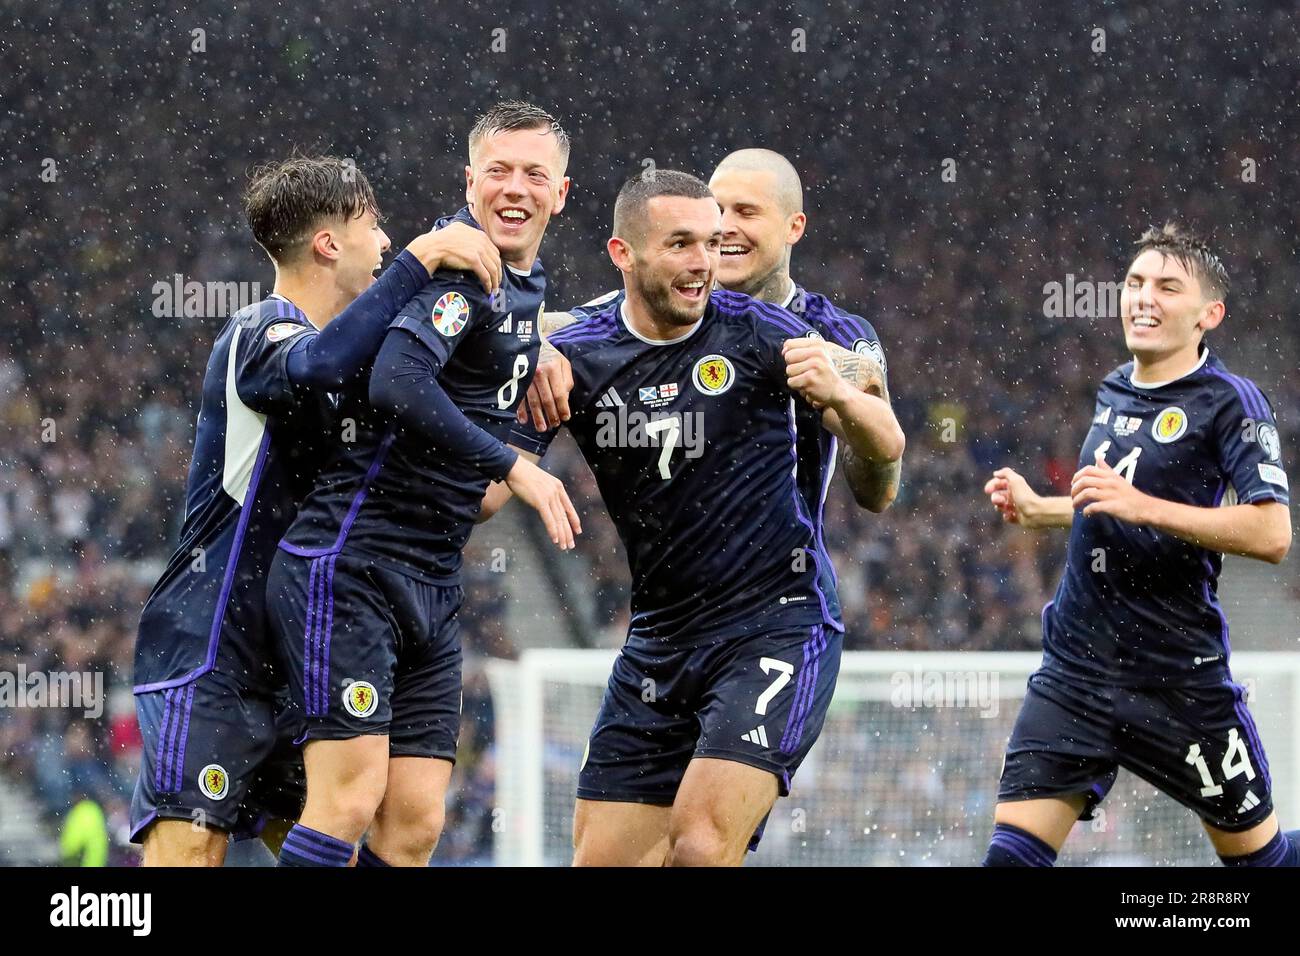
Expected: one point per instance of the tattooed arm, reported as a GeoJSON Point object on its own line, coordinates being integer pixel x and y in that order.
{"type": "Point", "coordinates": [872, 454]}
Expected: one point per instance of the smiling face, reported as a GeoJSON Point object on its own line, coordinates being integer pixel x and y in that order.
{"type": "Point", "coordinates": [672, 265]}
{"type": "Point", "coordinates": [757, 228]}
{"type": "Point", "coordinates": [514, 184]}
{"type": "Point", "coordinates": [1164, 308]}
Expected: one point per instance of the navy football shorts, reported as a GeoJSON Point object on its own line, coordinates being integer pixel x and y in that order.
{"type": "Point", "coordinates": [279, 787]}
{"type": "Point", "coordinates": [758, 700]}
{"type": "Point", "coordinates": [1199, 745]}
{"type": "Point", "coordinates": [215, 753]}
{"type": "Point", "coordinates": [369, 650]}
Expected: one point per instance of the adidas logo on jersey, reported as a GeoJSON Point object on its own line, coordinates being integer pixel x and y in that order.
{"type": "Point", "coordinates": [523, 328]}
{"type": "Point", "coordinates": [610, 399]}
{"type": "Point", "coordinates": [1250, 803]}
{"type": "Point", "coordinates": [756, 736]}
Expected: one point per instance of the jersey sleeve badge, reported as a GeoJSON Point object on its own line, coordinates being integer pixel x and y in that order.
{"type": "Point", "coordinates": [872, 350]}
{"type": "Point", "coordinates": [1266, 435]}
{"type": "Point", "coordinates": [284, 330]}
{"type": "Point", "coordinates": [450, 314]}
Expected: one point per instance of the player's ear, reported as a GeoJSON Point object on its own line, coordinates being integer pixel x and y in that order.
{"type": "Point", "coordinates": [1212, 316]}
{"type": "Point", "coordinates": [325, 244]}
{"type": "Point", "coordinates": [562, 195]}
{"type": "Point", "coordinates": [620, 253]}
{"type": "Point", "coordinates": [798, 222]}
{"type": "Point", "coordinates": [469, 186]}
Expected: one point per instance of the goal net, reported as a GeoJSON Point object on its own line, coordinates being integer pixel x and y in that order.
{"type": "Point", "coordinates": [904, 774]}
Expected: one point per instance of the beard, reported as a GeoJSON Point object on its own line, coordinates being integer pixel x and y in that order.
{"type": "Point", "coordinates": [659, 298]}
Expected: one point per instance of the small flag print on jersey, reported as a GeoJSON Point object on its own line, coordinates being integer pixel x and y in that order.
{"type": "Point", "coordinates": [450, 313]}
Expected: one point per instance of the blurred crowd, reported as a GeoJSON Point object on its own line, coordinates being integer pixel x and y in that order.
{"type": "Point", "coordinates": [127, 138]}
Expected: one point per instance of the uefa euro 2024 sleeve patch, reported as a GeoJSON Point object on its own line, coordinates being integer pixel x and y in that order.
{"type": "Point", "coordinates": [450, 314]}
{"type": "Point", "coordinates": [284, 330]}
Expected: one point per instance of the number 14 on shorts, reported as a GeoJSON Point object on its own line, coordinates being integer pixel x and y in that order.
{"type": "Point", "coordinates": [1236, 761]}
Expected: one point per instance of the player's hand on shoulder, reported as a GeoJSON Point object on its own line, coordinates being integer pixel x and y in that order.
{"type": "Point", "coordinates": [1100, 490]}
{"type": "Point", "coordinates": [545, 493]}
{"type": "Point", "coordinates": [810, 372]}
{"type": "Point", "coordinates": [547, 399]}
{"type": "Point", "coordinates": [460, 246]}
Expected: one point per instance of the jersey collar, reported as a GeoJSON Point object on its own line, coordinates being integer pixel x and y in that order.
{"type": "Point", "coordinates": [622, 315]}
{"type": "Point", "coordinates": [790, 296]}
{"type": "Point", "coordinates": [1205, 355]}
{"type": "Point", "coordinates": [297, 311]}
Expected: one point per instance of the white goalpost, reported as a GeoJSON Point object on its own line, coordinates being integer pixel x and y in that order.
{"type": "Point", "coordinates": [904, 774]}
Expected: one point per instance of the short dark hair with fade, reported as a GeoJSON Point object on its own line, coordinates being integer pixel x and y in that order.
{"type": "Point", "coordinates": [511, 115]}
{"type": "Point", "coordinates": [1189, 249]}
{"type": "Point", "coordinates": [285, 199]}
{"type": "Point", "coordinates": [633, 199]}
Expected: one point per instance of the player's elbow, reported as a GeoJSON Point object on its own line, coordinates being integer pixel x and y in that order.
{"type": "Point", "coordinates": [1277, 548]}
{"type": "Point", "coordinates": [498, 493]}
{"type": "Point", "coordinates": [384, 393]}
{"type": "Point", "coordinates": [875, 500]}
{"type": "Point", "coordinates": [1275, 535]}
{"type": "Point", "coordinates": [877, 492]}
{"type": "Point", "coordinates": [895, 445]}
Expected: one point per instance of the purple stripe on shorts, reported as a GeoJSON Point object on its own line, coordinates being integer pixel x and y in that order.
{"type": "Point", "coordinates": [173, 732]}
{"type": "Point", "coordinates": [160, 755]}
{"type": "Point", "coordinates": [329, 632]}
{"type": "Point", "coordinates": [178, 772]}
{"type": "Point", "coordinates": [307, 685]}
{"type": "Point", "coordinates": [1258, 755]}
{"type": "Point", "coordinates": [812, 686]}
{"type": "Point", "coordinates": [323, 616]}
{"type": "Point", "coordinates": [800, 692]}
{"type": "Point", "coordinates": [318, 621]}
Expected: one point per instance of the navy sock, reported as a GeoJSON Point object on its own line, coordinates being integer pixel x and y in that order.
{"type": "Point", "coordinates": [307, 847]}
{"type": "Point", "coordinates": [1282, 850]}
{"type": "Point", "coordinates": [368, 857]}
{"type": "Point", "coordinates": [1012, 846]}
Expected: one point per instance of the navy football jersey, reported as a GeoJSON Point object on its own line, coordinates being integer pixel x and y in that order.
{"type": "Point", "coordinates": [817, 447]}
{"type": "Point", "coordinates": [1137, 606]}
{"type": "Point", "coordinates": [694, 445]}
{"type": "Point", "coordinates": [258, 443]}
{"type": "Point", "coordinates": [385, 493]}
